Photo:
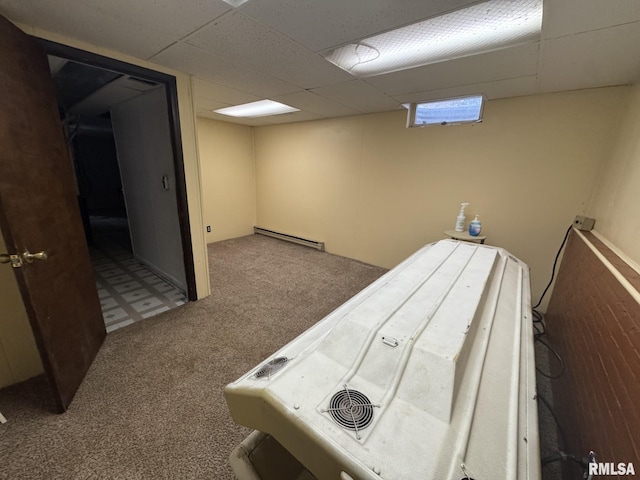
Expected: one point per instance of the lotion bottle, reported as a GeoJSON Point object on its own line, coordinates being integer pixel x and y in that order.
{"type": "Point", "coordinates": [461, 217]}
{"type": "Point", "coordinates": [475, 227]}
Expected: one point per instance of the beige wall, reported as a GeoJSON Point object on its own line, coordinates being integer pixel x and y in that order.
{"type": "Point", "coordinates": [376, 191]}
{"type": "Point", "coordinates": [228, 178]}
{"type": "Point", "coordinates": [616, 201]}
{"type": "Point", "coordinates": [19, 357]}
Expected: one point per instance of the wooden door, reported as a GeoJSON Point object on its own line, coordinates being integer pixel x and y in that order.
{"type": "Point", "coordinates": [39, 212]}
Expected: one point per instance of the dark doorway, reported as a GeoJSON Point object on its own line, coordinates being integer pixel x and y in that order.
{"type": "Point", "coordinates": [88, 87]}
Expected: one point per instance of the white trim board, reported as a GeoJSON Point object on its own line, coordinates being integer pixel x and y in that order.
{"type": "Point", "coordinates": [623, 281]}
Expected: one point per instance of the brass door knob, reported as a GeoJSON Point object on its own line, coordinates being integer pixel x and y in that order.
{"type": "Point", "coordinates": [30, 257]}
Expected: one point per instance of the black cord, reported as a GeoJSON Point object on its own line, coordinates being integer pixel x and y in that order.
{"type": "Point", "coordinates": [538, 333]}
{"type": "Point", "coordinates": [557, 355]}
{"type": "Point", "coordinates": [537, 316]}
{"type": "Point", "coordinates": [553, 270]}
{"type": "Point", "coordinates": [539, 324]}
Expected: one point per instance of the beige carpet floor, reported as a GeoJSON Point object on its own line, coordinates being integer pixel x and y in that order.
{"type": "Point", "coordinates": [151, 406]}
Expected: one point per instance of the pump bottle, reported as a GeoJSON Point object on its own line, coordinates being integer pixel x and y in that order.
{"type": "Point", "coordinates": [475, 227]}
{"type": "Point", "coordinates": [461, 217]}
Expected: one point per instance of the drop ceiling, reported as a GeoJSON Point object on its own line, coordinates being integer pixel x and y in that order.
{"type": "Point", "coordinates": [272, 49]}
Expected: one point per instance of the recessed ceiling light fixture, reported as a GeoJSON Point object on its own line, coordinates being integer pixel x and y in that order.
{"type": "Point", "coordinates": [235, 3]}
{"type": "Point", "coordinates": [483, 27]}
{"type": "Point", "coordinates": [261, 108]}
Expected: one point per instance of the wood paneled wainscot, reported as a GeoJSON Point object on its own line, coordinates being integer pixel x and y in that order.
{"type": "Point", "coordinates": [593, 321]}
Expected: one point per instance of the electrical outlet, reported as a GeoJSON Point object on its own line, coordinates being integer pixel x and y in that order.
{"type": "Point", "coordinates": [584, 223]}
{"type": "Point", "coordinates": [208, 228]}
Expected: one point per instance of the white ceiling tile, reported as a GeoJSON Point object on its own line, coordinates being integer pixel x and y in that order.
{"type": "Point", "coordinates": [271, 48]}
{"type": "Point", "coordinates": [512, 87]}
{"type": "Point", "coordinates": [190, 59]}
{"type": "Point", "coordinates": [319, 25]}
{"type": "Point", "coordinates": [203, 103]}
{"type": "Point", "coordinates": [501, 64]}
{"type": "Point", "coordinates": [292, 117]}
{"type": "Point", "coordinates": [239, 39]}
{"type": "Point", "coordinates": [220, 93]}
{"type": "Point", "coordinates": [139, 28]}
{"type": "Point", "coordinates": [592, 59]}
{"type": "Point", "coordinates": [575, 16]}
{"type": "Point", "coordinates": [252, 122]}
{"type": "Point", "coordinates": [359, 95]}
{"type": "Point", "coordinates": [310, 102]}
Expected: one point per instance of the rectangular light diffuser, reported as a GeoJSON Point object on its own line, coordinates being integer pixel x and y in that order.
{"type": "Point", "coordinates": [261, 108]}
{"type": "Point", "coordinates": [483, 27]}
{"type": "Point", "coordinates": [235, 3]}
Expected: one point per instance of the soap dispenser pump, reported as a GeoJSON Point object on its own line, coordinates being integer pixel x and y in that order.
{"type": "Point", "coordinates": [461, 217]}
{"type": "Point", "coordinates": [475, 227]}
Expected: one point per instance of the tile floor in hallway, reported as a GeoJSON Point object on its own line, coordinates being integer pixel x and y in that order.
{"type": "Point", "coordinates": [128, 291]}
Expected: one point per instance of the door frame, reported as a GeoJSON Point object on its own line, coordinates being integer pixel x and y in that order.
{"type": "Point", "coordinates": [169, 82]}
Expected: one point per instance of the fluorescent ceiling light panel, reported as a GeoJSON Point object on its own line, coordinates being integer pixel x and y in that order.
{"type": "Point", "coordinates": [261, 108]}
{"type": "Point", "coordinates": [235, 3]}
{"type": "Point", "coordinates": [477, 29]}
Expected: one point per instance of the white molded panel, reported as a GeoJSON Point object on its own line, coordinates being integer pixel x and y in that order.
{"type": "Point", "coordinates": [441, 347]}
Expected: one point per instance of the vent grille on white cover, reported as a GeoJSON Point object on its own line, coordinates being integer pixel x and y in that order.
{"type": "Point", "coordinates": [351, 409]}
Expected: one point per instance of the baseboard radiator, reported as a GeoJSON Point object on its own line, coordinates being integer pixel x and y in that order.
{"type": "Point", "coordinates": [290, 238]}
